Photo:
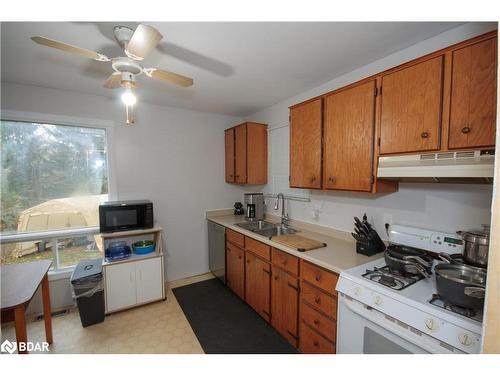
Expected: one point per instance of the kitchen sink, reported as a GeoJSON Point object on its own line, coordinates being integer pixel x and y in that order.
{"type": "Point", "coordinates": [266, 229]}
{"type": "Point", "coordinates": [256, 225]}
{"type": "Point", "coordinates": [278, 230]}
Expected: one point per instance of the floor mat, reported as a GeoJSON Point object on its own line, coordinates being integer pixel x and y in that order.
{"type": "Point", "coordinates": [224, 324]}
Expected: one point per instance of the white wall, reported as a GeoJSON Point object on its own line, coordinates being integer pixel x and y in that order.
{"type": "Point", "coordinates": [440, 206]}
{"type": "Point", "coordinates": [173, 157]}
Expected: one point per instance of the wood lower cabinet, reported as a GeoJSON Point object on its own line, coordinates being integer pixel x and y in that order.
{"type": "Point", "coordinates": [296, 297]}
{"type": "Point", "coordinates": [235, 269]}
{"type": "Point", "coordinates": [246, 154]}
{"type": "Point", "coordinates": [305, 145]}
{"type": "Point", "coordinates": [284, 304]}
{"type": "Point", "coordinates": [318, 309]}
{"type": "Point", "coordinates": [473, 95]}
{"type": "Point", "coordinates": [348, 138]}
{"type": "Point", "coordinates": [410, 115]}
{"type": "Point", "coordinates": [258, 284]}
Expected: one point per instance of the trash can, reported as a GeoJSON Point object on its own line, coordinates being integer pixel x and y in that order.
{"type": "Point", "coordinates": [88, 290]}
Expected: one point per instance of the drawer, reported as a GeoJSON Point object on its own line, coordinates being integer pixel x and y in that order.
{"type": "Point", "coordinates": [286, 261]}
{"type": "Point", "coordinates": [312, 343]}
{"type": "Point", "coordinates": [235, 237]}
{"type": "Point", "coordinates": [258, 248]}
{"type": "Point", "coordinates": [235, 248]}
{"type": "Point", "coordinates": [325, 326]}
{"type": "Point", "coordinates": [319, 299]}
{"type": "Point", "coordinates": [319, 277]}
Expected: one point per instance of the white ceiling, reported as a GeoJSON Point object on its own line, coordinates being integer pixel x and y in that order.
{"type": "Point", "coordinates": [238, 68]}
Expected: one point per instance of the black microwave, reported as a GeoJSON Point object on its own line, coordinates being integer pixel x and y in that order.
{"type": "Point", "coordinates": [125, 215]}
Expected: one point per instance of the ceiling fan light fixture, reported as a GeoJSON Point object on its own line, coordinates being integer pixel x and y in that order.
{"type": "Point", "coordinates": [128, 97]}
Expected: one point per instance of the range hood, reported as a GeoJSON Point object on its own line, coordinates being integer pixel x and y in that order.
{"type": "Point", "coordinates": [476, 166]}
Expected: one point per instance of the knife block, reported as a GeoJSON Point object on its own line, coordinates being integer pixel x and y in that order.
{"type": "Point", "coordinates": [370, 248]}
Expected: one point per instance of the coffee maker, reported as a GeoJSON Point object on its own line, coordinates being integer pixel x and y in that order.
{"type": "Point", "coordinates": [254, 206]}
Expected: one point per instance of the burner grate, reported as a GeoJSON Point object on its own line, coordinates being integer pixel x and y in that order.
{"type": "Point", "coordinates": [391, 278]}
{"type": "Point", "coordinates": [476, 315]}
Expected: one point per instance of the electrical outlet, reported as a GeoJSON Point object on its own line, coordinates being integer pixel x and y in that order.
{"type": "Point", "coordinates": [388, 219]}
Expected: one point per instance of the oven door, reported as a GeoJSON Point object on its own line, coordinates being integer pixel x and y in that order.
{"type": "Point", "coordinates": [363, 330]}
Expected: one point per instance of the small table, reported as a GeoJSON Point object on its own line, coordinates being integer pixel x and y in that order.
{"type": "Point", "coordinates": [19, 284]}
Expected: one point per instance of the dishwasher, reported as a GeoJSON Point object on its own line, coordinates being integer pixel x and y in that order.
{"type": "Point", "coordinates": [217, 250]}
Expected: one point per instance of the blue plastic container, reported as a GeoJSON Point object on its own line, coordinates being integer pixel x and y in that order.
{"type": "Point", "coordinates": [117, 251]}
{"type": "Point", "coordinates": [143, 247]}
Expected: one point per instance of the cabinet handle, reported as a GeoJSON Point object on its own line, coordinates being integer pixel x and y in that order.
{"type": "Point", "coordinates": [317, 277]}
{"type": "Point", "coordinates": [315, 343]}
{"type": "Point", "coordinates": [466, 129]}
{"type": "Point", "coordinates": [317, 300]}
{"type": "Point", "coordinates": [275, 277]}
{"type": "Point", "coordinates": [424, 135]}
{"type": "Point", "coordinates": [248, 261]}
{"type": "Point", "coordinates": [316, 322]}
{"type": "Point", "coordinates": [331, 178]}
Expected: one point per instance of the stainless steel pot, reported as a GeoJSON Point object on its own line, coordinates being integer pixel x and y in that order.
{"type": "Point", "coordinates": [461, 285]}
{"type": "Point", "coordinates": [477, 243]}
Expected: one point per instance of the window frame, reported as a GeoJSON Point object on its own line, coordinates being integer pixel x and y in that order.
{"type": "Point", "coordinates": [62, 120]}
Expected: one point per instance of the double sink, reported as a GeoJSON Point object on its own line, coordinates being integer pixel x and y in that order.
{"type": "Point", "coordinates": [267, 229]}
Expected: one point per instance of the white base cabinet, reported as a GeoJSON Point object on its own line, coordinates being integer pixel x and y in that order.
{"type": "Point", "coordinates": [133, 282]}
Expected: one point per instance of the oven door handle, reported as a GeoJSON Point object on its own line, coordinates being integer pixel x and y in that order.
{"type": "Point", "coordinates": [360, 309]}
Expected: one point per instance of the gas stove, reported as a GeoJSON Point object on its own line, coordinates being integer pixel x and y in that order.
{"type": "Point", "coordinates": [403, 310]}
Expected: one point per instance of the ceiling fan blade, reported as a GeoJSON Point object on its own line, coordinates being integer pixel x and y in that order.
{"type": "Point", "coordinates": [143, 41]}
{"type": "Point", "coordinates": [69, 48]}
{"type": "Point", "coordinates": [114, 81]}
{"type": "Point", "coordinates": [169, 77]}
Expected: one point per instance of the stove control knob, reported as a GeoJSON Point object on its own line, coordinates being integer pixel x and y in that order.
{"type": "Point", "coordinates": [357, 291]}
{"type": "Point", "coordinates": [377, 300]}
{"type": "Point", "coordinates": [431, 324]}
{"type": "Point", "coordinates": [465, 339]}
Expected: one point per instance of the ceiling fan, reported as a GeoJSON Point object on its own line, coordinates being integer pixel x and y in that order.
{"type": "Point", "coordinates": [136, 44]}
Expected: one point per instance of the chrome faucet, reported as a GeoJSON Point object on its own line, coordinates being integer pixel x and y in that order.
{"type": "Point", "coordinates": [284, 218]}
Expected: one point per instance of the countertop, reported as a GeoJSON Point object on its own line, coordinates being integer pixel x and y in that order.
{"type": "Point", "coordinates": [338, 255]}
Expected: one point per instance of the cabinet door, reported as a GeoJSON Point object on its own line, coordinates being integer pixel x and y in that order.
{"type": "Point", "coordinates": [240, 141]}
{"type": "Point", "coordinates": [411, 108]}
{"type": "Point", "coordinates": [348, 138]}
{"type": "Point", "coordinates": [148, 280]}
{"type": "Point", "coordinates": [120, 286]}
{"type": "Point", "coordinates": [474, 95]}
{"type": "Point", "coordinates": [305, 145]}
{"type": "Point", "coordinates": [257, 284]}
{"type": "Point", "coordinates": [284, 304]}
{"type": "Point", "coordinates": [235, 270]}
{"type": "Point", "coordinates": [229, 150]}
{"type": "Point", "coordinates": [256, 154]}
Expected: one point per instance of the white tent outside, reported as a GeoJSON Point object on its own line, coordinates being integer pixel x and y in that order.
{"type": "Point", "coordinates": [73, 212]}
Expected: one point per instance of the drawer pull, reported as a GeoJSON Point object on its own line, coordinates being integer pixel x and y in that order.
{"type": "Point", "coordinates": [424, 135]}
{"type": "Point", "coordinates": [315, 343]}
{"type": "Point", "coordinates": [316, 322]}
{"type": "Point", "coordinates": [466, 129]}
{"type": "Point", "coordinates": [317, 277]}
{"type": "Point", "coordinates": [317, 300]}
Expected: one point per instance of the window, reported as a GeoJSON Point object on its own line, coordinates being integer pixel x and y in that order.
{"type": "Point", "coordinates": [53, 178]}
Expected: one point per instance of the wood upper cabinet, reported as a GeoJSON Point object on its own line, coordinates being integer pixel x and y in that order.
{"type": "Point", "coordinates": [473, 95]}
{"type": "Point", "coordinates": [240, 146]}
{"type": "Point", "coordinates": [229, 152]}
{"type": "Point", "coordinates": [258, 284]}
{"type": "Point", "coordinates": [284, 304]}
{"type": "Point", "coordinates": [305, 145]}
{"type": "Point", "coordinates": [246, 154]}
{"type": "Point", "coordinates": [411, 108]}
{"type": "Point", "coordinates": [349, 117]}
{"type": "Point", "coordinates": [235, 269]}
